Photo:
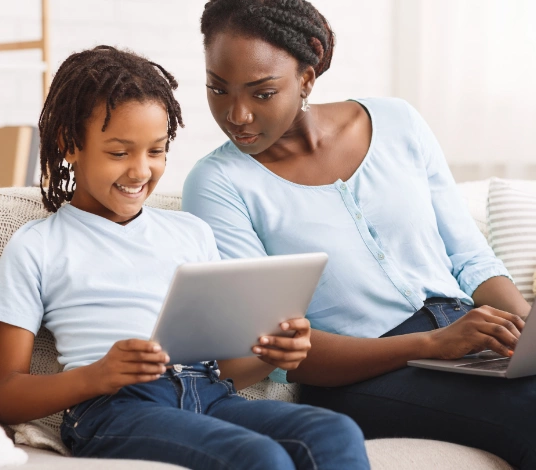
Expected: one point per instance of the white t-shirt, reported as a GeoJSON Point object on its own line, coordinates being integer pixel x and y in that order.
{"type": "Point", "coordinates": [93, 282]}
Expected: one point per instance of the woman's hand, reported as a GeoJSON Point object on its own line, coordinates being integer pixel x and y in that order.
{"type": "Point", "coordinates": [481, 328]}
{"type": "Point", "coordinates": [128, 362]}
{"type": "Point", "coordinates": [284, 352]}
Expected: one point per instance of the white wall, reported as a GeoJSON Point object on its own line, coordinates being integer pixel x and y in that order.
{"type": "Point", "coordinates": [469, 66]}
{"type": "Point", "coordinates": [167, 31]}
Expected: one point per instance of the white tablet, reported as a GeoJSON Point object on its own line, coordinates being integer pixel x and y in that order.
{"type": "Point", "coordinates": [218, 310]}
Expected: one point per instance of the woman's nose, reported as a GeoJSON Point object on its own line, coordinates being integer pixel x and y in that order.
{"type": "Point", "coordinates": [239, 115]}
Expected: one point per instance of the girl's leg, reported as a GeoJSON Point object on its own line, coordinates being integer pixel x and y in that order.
{"type": "Point", "coordinates": [493, 414]}
{"type": "Point", "coordinates": [313, 437]}
{"type": "Point", "coordinates": [145, 422]}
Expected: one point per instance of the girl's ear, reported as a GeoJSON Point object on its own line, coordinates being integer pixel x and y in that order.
{"type": "Point", "coordinates": [307, 81]}
{"type": "Point", "coordinates": [69, 157]}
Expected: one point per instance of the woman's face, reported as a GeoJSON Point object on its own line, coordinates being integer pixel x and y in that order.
{"type": "Point", "coordinates": [254, 90]}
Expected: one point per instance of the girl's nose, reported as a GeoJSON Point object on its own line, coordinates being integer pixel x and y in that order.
{"type": "Point", "coordinates": [140, 169]}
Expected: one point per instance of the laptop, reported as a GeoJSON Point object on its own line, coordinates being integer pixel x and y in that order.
{"type": "Point", "coordinates": [218, 310]}
{"type": "Point", "coordinates": [521, 364]}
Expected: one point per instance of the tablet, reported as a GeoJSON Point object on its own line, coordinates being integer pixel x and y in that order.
{"type": "Point", "coordinates": [219, 309]}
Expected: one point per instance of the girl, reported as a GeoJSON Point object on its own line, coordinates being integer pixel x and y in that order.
{"type": "Point", "coordinates": [96, 273]}
{"type": "Point", "coordinates": [409, 276]}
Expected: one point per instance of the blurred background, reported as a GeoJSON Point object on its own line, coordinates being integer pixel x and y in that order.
{"type": "Point", "coordinates": [469, 67]}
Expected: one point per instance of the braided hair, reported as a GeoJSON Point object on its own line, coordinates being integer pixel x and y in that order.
{"type": "Point", "coordinates": [293, 25]}
{"type": "Point", "coordinates": [84, 80]}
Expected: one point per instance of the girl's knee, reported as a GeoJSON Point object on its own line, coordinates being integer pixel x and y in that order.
{"type": "Point", "coordinates": [260, 453]}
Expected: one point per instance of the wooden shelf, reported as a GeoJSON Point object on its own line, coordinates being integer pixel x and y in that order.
{"type": "Point", "coordinates": [42, 44]}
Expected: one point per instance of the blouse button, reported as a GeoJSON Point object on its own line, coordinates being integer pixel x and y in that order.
{"type": "Point", "coordinates": [407, 292]}
{"type": "Point", "coordinates": [358, 216]}
{"type": "Point", "coordinates": [343, 186]}
{"type": "Point", "coordinates": [381, 256]}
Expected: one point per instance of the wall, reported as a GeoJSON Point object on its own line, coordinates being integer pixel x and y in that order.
{"type": "Point", "coordinates": [167, 31]}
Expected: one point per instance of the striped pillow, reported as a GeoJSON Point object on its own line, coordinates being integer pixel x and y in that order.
{"type": "Point", "coordinates": [512, 231]}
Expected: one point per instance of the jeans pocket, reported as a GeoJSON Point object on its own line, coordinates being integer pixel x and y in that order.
{"type": "Point", "coordinates": [77, 414]}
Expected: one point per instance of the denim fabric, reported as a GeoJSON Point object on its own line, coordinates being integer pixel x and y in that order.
{"type": "Point", "coordinates": [494, 414]}
{"type": "Point", "coordinates": [192, 418]}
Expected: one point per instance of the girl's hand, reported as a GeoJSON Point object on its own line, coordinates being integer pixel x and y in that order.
{"type": "Point", "coordinates": [128, 362]}
{"type": "Point", "coordinates": [481, 328]}
{"type": "Point", "coordinates": [284, 352]}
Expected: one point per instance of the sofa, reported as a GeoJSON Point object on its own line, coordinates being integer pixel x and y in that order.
{"type": "Point", "coordinates": [499, 208]}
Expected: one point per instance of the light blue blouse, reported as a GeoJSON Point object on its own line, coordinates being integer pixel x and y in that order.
{"type": "Point", "coordinates": [396, 232]}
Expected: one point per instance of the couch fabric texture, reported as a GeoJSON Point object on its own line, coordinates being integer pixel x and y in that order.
{"type": "Point", "coordinates": [506, 218]}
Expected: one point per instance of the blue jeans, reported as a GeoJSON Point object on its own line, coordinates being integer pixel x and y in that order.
{"type": "Point", "coordinates": [494, 414]}
{"type": "Point", "coordinates": [194, 419]}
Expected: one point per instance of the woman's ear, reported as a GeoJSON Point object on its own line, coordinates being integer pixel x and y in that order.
{"type": "Point", "coordinates": [308, 78]}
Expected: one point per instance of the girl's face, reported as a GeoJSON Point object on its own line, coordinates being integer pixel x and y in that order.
{"type": "Point", "coordinates": [254, 90]}
{"type": "Point", "coordinates": [118, 169]}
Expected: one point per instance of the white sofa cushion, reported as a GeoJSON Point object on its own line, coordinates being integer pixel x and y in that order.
{"type": "Point", "coordinates": [512, 230]}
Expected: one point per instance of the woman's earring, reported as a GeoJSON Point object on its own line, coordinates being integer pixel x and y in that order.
{"type": "Point", "coordinates": [305, 104]}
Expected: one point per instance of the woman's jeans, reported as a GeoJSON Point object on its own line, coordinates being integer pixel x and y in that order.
{"type": "Point", "coordinates": [494, 414]}
{"type": "Point", "coordinates": [192, 418]}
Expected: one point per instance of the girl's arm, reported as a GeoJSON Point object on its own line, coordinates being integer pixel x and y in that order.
{"type": "Point", "coordinates": [285, 353]}
{"type": "Point", "coordinates": [24, 397]}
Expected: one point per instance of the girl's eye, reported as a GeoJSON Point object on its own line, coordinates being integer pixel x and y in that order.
{"type": "Point", "coordinates": [157, 152]}
{"type": "Point", "coordinates": [216, 91]}
{"type": "Point", "coordinates": [118, 154]}
{"type": "Point", "coordinates": [266, 95]}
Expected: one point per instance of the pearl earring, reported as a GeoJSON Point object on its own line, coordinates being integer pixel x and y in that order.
{"type": "Point", "coordinates": [305, 105]}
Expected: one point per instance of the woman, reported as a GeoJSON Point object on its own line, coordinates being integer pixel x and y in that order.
{"type": "Point", "coordinates": [409, 276]}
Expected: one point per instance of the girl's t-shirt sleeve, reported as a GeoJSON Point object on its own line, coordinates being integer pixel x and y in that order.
{"type": "Point", "coordinates": [473, 260]}
{"type": "Point", "coordinates": [21, 280]}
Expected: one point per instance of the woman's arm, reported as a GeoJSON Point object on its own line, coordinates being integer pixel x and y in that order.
{"type": "Point", "coordinates": [336, 360]}
{"type": "Point", "coordinates": [501, 293]}
{"type": "Point", "coordinates": [24, 397]}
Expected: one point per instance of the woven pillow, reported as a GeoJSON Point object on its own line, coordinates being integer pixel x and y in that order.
{"type": "Point", "coordinates": [512, 230]}
{"type": "Point", "coordinates": [20, 205]}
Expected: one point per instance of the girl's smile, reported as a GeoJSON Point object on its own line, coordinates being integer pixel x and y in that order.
{"type": "Point", "coordinates": [119, 168]}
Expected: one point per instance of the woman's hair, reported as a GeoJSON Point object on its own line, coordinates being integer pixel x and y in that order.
{"type": "Point", "coordinates": [84, 80]}
{"type": "Point", "coordinates": [293, 25]}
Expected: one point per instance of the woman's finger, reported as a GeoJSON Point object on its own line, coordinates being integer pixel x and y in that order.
{"type": "Point", "coordinates": [498, 333]}
{"type": "Point", "coordinates": [489, 342]}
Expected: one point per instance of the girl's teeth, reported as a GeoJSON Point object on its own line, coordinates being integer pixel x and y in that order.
{"type": "Point", "coordinates": [129, 190]}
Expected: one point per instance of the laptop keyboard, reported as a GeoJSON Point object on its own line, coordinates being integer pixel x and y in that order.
{"type": "Point", "coordinates": [494, 364]}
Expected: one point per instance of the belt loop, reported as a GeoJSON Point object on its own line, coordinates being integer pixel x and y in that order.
{"type": "Point", "coordinates": [458, 304]}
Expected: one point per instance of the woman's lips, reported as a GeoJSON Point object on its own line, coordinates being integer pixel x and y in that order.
{"type": "Point", "coordinates": [245, 139]}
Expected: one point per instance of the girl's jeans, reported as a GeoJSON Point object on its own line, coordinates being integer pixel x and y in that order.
{"type": "Point", "coordinates": [192, 418]}
{"type": "Point", "coordinates": [490, 413]}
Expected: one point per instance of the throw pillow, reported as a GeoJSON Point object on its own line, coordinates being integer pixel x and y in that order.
{"type": "Point", "coordinates": [512, 231]}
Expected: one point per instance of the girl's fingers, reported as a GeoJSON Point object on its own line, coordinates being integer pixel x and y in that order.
{"type": "Point", "coordinates": [300, 325]}
{"type": "Point", "coordinates": [285, 343]}
{"type": "Point", "coordinates": [138, 345]}
{"type": "Point", "coordinates": [142, 368]}
{"type": "Point", "coordinates": [139, 356]}
{"type": "Point", "coordinates": [281, 356]}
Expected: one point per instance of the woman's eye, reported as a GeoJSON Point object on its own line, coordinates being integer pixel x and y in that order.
{"type": "Point", "coordinates": [157, 152]}
{"type": "Point", "coordinates": [265, 96]}
{"type": "Point", "coordinates": [118, 154]}
{"type": "Point", "coordinates": [216, 91]}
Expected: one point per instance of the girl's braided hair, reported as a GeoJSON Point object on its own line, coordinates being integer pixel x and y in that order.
{"type": "Point", "coordinates": [84, 80]}
{"type": "Point", "coordinates": [293, 25]}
